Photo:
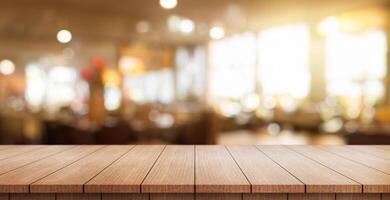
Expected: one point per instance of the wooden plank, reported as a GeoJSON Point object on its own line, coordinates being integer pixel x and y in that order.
{"type": "Point", "coordinates": [127, 174]}
{"type": "Point", "coordinates": [311, 197]}
{"type": "Point", "coordinates": [113, 196]}
{"type": "Point", "coordinates": [78, 196]}
{"type": "Point", "coordinates": [264, 197]}
{"type": "Point", "coordinates": [373, 150]}
{"type": "Point", "coordinates": [72, 178]}
{"type": "Point", "coordinates": [13, 151]}
{"type": "Point", "coordinates": [25, 158]}
{"type": "Point", "coordinates": [358, 196]}
{"type": "Point", "coordinates": [166, 196]}
{"type": "Point", "coordinates": [19, 180]}
{"type": "Point", "coordinates": [173, 172]}
{"type": "Point", "coordinates": [4, 196]}
{"type": "Point", "coordinates": [316, 177]}
{"type": "Point", "coordinates": [32, 196]}
{"type": "Point", "coordinates": [372, 180]}
{"type": "Point", "coordinates": [216, 171]}
{"type": "Point", "coordinates": [363, 158]}
{"type": "Point", "coordinates": [4, 147]}
{"type": "Point", "coordinates": [218, 196]}
{"type": "Point", "coordinates": [264, 175]}
{"type": "Point", "coordinates": [385, 196]}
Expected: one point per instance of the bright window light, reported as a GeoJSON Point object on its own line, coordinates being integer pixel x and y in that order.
{"type": "Point", "coordinates": [156, 86]}
{"type": "Point", "coordinates": [233, 62]}
{"type": "Point", "coordinates": [190, 72]}
{"type": "Point", "coordinates": [356, 64]}
{"type": "Point", "coordinates": [112, 97]}
{"type": "Point", "coordinates": [284, 61]}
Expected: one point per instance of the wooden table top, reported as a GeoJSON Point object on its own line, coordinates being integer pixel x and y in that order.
{"type": "Point", "coordinates": [194, 169]}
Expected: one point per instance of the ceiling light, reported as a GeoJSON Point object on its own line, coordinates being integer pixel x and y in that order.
{"type": "Point", "coordinates": [217, 33]}
{"type": "Point", "coordinates": [7, 67]}
{"type": "Point", "coordinates": [187, 26]}
{"type": "Point", "coordinates": [64, 36]}
{"type": "Point", "coordinates": [168, 4]}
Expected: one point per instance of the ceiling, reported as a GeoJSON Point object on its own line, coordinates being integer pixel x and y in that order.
{"type": "Point", "coordinates": [115, 20]}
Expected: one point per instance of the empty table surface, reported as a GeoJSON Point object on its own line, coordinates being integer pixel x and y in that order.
{"type": "Point", "coordinates": [194, 169]}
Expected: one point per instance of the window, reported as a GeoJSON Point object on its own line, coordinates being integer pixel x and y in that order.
{"type": "Point", "coordinates": [233, 61]}
{"type": "Point", "coordinates": [284, 61]}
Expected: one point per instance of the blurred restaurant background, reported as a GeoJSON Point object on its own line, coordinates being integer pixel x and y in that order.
{"type": "Point", "coordinates": [194, 72]}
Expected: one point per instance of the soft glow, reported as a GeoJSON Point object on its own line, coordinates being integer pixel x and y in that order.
{"type": "Point", "coordinates": [329, 25]}
{"type": "Point", "coordinates": [35, 86]}
{"type": "Point", "coordinates": [250, 102]}
{"type": "Point", "coordinates": [64, 36]}
{"type": "Point", "coordinates": [217, 33]}
{"type": "Point", "coordinates": [232, 67]}
{"type": "Point", "coordinates": [111, 77]}
{"type": "Point", "coordinates": [143, 27]}
{"type": "Point", "coordinates": [229, 108]}
{"type": "Point", "coordinates": [187, 26]}
{"type": "Point", "coordinates": [7, 67]}
{"type": "Point", "coordinates": [355, 68]}
{"type": "Point", "coordinates": [168, 4]}
{"type": "Point", "coordinates": [156, 86]}
{"type": "Point", "coordinates": [284, 61]}
{"type": "Point", "coordinates": [190, 72]}
{"type": "Point", "coordinates": [273, 129]}
{"type": "Point", "coordinates": [112, 97]}
{"type": "Point", "coordinates": [356, 58]}
{"type": "Point", "coordinates": [60, 87]}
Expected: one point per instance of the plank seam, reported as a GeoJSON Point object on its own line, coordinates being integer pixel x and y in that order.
{"type": "Point", "coordinates": [354, 160]}
{"type": "Point", "coordinates": [154, 163]}
{"type": "Point", "coordinates": [29, 185]}
{"type": "Point", "coordinates": [371, 154]}
{"type": "Point", "coordinates": [194, 172]}
{"type": "Point", "coordinates": [328, 168]}
{"type": "Point", "coordinates": [304, 184]}
{"type": "Point", "coordinates": [23, 152]}
{"type": "Point", "coordinates": [107, 166]}
{"type": "Point", "coordinates": [239, 167]}
{"type": "Point", "coordinates": [36, 160]}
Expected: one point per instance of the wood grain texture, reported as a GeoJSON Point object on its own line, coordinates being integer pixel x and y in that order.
{"type": "Point", "coordinates": [385, 196]}
{"type": "Point", "coordinates": [219, 196]}
{"type": "Point", "coordinates": [173, 172]}
{"type": "Point", "coordinates": [25, 158]}
{"type": "Point", "coordinates": [19, 180]}
{"type": "Point", "coordinates": [264, 175]}
{"type": "Point", "coordinates": [311, 197]}
{"type": "Point", "coordinates": [216, 171]}
{"type": "Point", "coordinates": [32, 196]}
{"type": "Point", "coordinates": [78, 197]}
{"type": "Point", "coordinates": [72, 178]}
{"type": "Point", "coordinates": [172, 196]}
{"type": "Point", "coordinates": [316, 177]}
{"type": "Point", "coordinates": [358, 196]}
{"type": "Point", "coordinates": [373, 150]}
{"type": "Point", "coordinates": [363, 158]}
{"type": "Point", "coordinates": [4, 196]}
{"type": "Point", "coordinates": [264, 197]}
{"type": "Point", "coordinates": [371, 179]}
{"type": "Point", "coordinates": [112, 196]}
{"type": "Point", "coordinates": [14, 150]}
{"type": "Point", "coordinates": [127, 174]}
